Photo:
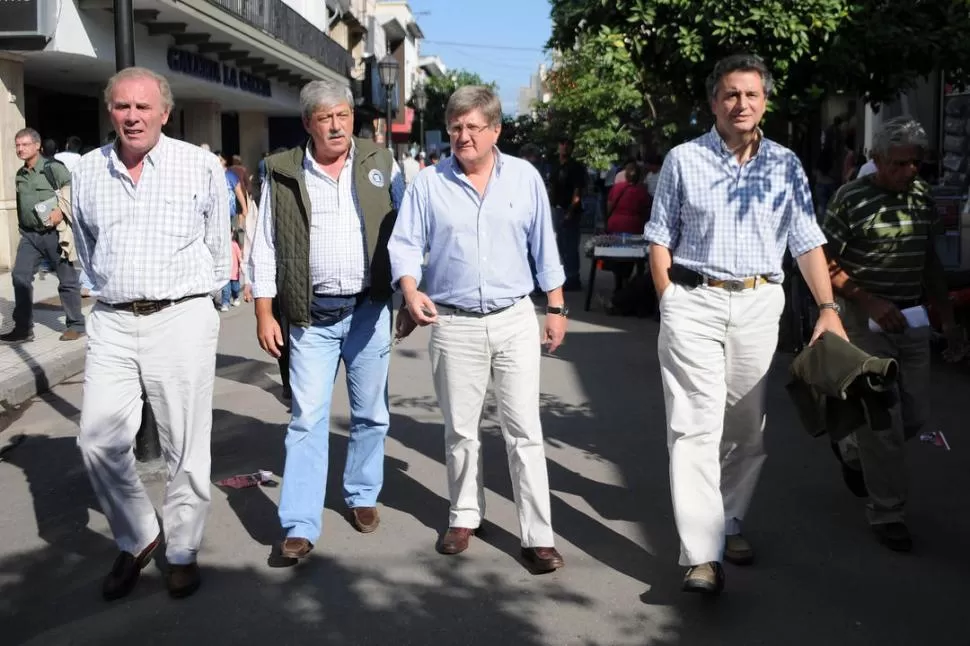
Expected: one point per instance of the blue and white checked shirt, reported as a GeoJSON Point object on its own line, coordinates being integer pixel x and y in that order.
{"type": "Point", "coordinates": [478, 248]}
{"type": "Point", "coordinates": [727, 221]}
{"type": "Point", "coordinates": [163, 238]}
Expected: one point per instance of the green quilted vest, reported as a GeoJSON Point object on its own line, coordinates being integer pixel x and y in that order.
{"type": "Point", "coordinates": [291, 219]}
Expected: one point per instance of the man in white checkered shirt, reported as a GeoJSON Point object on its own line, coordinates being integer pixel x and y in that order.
{"type": "Point", "coordinates": [726, 206]}
{"type": "Point", "coordinates": [326, 211]}
{"type": "Point", "coordinates": [152, 230]}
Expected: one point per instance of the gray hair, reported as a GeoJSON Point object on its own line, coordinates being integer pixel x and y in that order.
{"type": "Point", "coordinates": [739, 63]}
{"type": "Point", "coordinates": [901, 131]}
{"type": "Point", "coordinates": [28, 132]}
{"type": "Point", "coordinates": [317, 94]}
{"type": "Point", "coordinates": [474, 97]}
{"type": "Point", "coordinates": [131, 73]}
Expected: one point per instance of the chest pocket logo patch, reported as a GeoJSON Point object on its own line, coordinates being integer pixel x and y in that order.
{"type": "Point", "coordinates": [376, 178]}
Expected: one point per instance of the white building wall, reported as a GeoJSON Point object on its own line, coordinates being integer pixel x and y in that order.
{"type": "Point", "coordinates": [315, 11]}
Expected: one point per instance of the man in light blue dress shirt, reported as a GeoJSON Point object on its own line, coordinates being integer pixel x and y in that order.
{"type": "Point", "coordinates": [726, 206]}
{"type": "Point", "coordinates": [479, 215]}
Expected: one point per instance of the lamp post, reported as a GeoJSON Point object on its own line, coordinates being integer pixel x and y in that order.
{"type": "Point", "coordinates": [387, 68]}
{"type": "Point", "coordinates": [420, 103]}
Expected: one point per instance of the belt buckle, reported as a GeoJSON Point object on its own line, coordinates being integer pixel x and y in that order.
{"type": "Point", "coordinates": [733, 285]}
{"type": "Point", "coordinates": [143, 308]}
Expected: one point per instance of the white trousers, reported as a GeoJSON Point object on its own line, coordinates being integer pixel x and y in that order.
{"type": "Point", "coordinates": [465, 350]}
{"type": "Point", "coordinates": [171, 354]}
{"type": "Point", "coordinates": [715, 349]}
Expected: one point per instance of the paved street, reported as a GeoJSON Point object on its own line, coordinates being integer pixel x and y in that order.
{"type": "Point", "coordinates": [819, 577]}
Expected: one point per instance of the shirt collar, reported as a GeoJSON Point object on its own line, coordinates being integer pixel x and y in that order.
{"type": "Point", "coordinates": [154, 156]}
{"type": "Point", "coordinates": [499, 161]}
{"type": "Point", "coordinates": [309, 163]}
{"type": "Point", "coordinates": [717, 143]}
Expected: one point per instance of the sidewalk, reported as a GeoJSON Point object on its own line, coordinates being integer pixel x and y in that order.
{"type": "Point", "coordinates": [28, 369]}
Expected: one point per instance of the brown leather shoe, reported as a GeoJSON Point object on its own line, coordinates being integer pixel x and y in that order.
{"type": "Point", "coordinates": [738, 550]}
{"type": "Point", "coordinates": [183, 580]}
{"type": "Point", "coordinates": [366, 519]}
{"type": "Point", "coordinates": [706, 578]}
{"type": "Point", "coordinates": [71, 335]}
{"type": "Point", "coordinates": [295, 548]}
{"type": "Point", "coordinates": [542, 559]}
{"type": "Point", "coordinates": [124, 573]}
{"type": "Point", "coordinates": [455, 540]}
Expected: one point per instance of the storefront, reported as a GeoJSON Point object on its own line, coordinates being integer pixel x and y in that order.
{"type": "Point", "coordinates": [230, 79]}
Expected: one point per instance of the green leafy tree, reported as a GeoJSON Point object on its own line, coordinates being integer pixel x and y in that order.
{"type": "Point", "coordinates": [868, 48]}
{"type": "Point", "coordinates": [597, 97]}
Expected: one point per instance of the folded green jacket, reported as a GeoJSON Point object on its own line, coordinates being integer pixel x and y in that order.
{"type": "Point", "coordinates": [837, 388]}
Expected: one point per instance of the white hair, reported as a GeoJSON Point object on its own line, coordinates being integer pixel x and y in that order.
{"type": "Point", "coordinates": [318, 94]}
{"type": "Point", "coordinates": [140, 73]}
{"type": "Point", "coordinates": [901, 131]}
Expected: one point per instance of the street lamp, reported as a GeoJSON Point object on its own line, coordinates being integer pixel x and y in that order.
{"type": "Point", "coordinates": [387, 69]}
{"type": "Point", "coordinates": [420, 103]}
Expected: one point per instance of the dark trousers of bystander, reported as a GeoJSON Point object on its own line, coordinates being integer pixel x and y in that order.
{"type": "Point", "coordinates": [34, 247]}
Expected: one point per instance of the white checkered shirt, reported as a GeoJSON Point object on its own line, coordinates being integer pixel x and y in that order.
{"type": "Point", "coordinates": [727, 221]}
{"type": "Point", "coordinates": [166, 237]}
{"type": "Point", "coordinates": [338, 245]}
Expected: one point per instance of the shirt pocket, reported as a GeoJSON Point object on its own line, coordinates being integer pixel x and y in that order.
{"type": "Point", "coordinates": [181, 216]}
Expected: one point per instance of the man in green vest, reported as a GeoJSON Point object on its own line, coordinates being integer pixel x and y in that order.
{"type": "Point", "coordinates": [325, 215]}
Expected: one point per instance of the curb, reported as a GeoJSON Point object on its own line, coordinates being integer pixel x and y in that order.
{"type": "Point", "coordinates": [35, 378]}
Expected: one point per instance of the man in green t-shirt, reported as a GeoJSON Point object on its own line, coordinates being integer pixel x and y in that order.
{"type": "Point", "coordinates": [881, 230]}
{"type": "Point", "coordinates": [38, 214]}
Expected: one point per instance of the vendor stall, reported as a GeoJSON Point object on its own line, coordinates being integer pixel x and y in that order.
{"type": "Point", "coordinates": [613, 248]}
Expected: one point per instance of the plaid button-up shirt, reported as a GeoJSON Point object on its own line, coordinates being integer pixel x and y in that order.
{"type": "Point", "coordinates": [165, 237]}
{"type": "Point", "coordinates": [728, 221]}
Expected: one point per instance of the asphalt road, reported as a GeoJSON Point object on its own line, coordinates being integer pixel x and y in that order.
{"type": "Point", "coordinates": [819, 577]}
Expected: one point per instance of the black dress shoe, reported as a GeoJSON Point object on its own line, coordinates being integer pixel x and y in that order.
{"type": "Point", "coordinates": [183, 580]}
{"type": "Point", "coordinates": [895, 536]}
{"type": "Point", "coordinates": [124, 573]}
{"type": "Point", "coordinates": [542, 559]}
{"type": "Point", "coordinates": [17, 336]}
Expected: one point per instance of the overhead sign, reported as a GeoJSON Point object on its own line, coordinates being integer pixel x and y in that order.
{"type": "Point", "coordinates": [207, 69]}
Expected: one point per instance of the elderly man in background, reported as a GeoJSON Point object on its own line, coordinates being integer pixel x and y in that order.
{"type": "Point", "coordinates": [153, 236]}
{"type": "Point", "coordinates": [882, 257]}
{"type": "Point", "coordinates": [325, 214]}
{"type": "Point", "coordinates": [479, 215]}
{"type": "Point", "coordinates": [726, 205]}
{"type": "Point", "coordinates": [39, 213]}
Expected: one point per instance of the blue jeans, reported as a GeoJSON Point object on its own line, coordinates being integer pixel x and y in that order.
{"type": "Point", "coordinates": [230, 291]}
{"type": "Point", "coordinates": [362, 340]}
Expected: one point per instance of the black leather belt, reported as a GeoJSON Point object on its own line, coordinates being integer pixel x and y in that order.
{"type": "Point", "coordinates": [459, 310]}
{"type": "Point", "coordinates": [144, 308]}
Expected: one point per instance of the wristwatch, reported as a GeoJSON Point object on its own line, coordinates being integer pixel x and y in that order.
{"type": "Point", "coordinates": [561, 311]}
{"type": "Point", "coordinates": [830, 306]}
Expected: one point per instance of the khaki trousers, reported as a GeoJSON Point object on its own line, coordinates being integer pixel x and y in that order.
{"type": "Point", "coordinates": [715, 349]}
{"type": "Point", "coordinates": [465, 349]}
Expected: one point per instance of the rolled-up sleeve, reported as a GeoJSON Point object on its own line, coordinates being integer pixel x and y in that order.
{"type": "Point", "coordinates": [262, 261]}
{"type": "Point", "coordinates": [217, 232]}
{"type": "Point", "coordinates": [409, 240]}
{"type": "Point", "coordinates": [804, 234]}
{"type": "Point", "coordinates": [663, 228]}
{"type": "Point", "coordinates": [542, 239]}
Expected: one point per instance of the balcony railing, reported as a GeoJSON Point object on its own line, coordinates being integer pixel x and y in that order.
{"type": "Point", "coordinates": [287, 26]}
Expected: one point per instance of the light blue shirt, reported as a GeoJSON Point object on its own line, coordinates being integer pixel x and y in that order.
{"type": "Point", "coordinates": [478, 247]}
{"type": "Point", "coordinates": [725, 220]}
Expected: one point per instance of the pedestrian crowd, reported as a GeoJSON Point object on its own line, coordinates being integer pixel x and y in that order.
{"type": "Point", "coordinates": [323, 235]}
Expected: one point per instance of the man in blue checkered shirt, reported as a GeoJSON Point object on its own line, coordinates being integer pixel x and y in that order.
{"type": "Point", "coordinates": [727, 205]}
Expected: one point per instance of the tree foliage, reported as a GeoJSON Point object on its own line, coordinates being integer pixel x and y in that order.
{"type": "Point", "coordinates": [596, 96]}
{"type": "Point", "coordinates": [872, 49]}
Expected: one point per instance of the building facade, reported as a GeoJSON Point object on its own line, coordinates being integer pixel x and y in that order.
{"type": "Point", "coordinates": [235, 66]}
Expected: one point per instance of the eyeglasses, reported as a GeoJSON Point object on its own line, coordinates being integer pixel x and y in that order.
{"type": "Point", "coordinates": [474, 130]}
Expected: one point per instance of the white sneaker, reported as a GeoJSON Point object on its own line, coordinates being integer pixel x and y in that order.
{"type": "Point", "coordinates": [224, 308]}
{"type": "Point", "coordinates": [236, 303]}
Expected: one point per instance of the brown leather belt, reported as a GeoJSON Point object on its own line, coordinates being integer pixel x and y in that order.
{"type": "Point", "coordinates": [738, 284]}
{"type": "Point", "coordinates": [145, 308]}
